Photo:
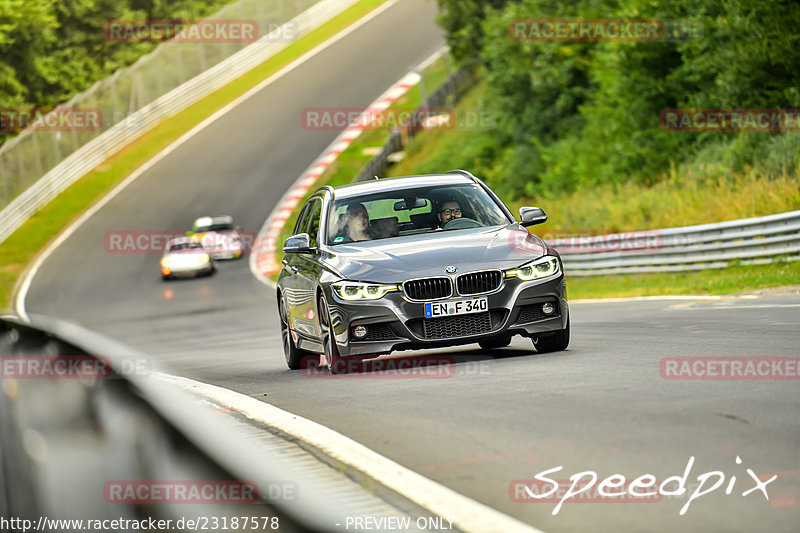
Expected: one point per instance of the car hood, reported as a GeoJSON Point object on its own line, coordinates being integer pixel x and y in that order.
{"type": "Point", "coordinates": [414, 256]}
{"type": "Point", "coordinates": [185, 257]}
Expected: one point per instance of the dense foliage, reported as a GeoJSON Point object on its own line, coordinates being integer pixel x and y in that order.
{"type": "Point", "coordinates": [570, 114]}
{"type": "Point", "coordinates": [52, 49]}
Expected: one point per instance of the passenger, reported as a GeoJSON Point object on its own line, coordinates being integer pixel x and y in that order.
{"type": "Point", "coordinates": [356, 224]}
{"type": "Point", "coordinates": [384, 228]}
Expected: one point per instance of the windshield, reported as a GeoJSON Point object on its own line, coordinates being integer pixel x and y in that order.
{"type": "Point", "coordinates": [215, 227]}
{"type": "Point", "coordinates": [396, 213]}
{"type": "Point", "coordinates": [193, 245]}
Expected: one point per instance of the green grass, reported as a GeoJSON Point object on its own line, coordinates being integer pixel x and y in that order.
{"type": "Point", "coordinates": [681, 198]}
{"type": "Point", "coordinates": [32, 237]}
{"type": "Point", "coordinates": [435, 151]}
{"type": "Point", "coordinates": [684, 197]}
{"type": "Point", "coordinates": [729, 280]}
{"type": "Point", "coordinates": [353, 159]}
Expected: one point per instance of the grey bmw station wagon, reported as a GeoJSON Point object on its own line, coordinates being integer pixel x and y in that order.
{"type": "Point", "coordinates": [416, 262]}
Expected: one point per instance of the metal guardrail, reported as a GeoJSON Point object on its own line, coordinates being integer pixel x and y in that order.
{"type": "Point", "coordinates": [65, 436]}
{"type": "Point", "coordinates": [755, 240]}
{"type": "Point", "coordinates": [747, 241]}
{"type": "Point", "coordinates": [98, 149]}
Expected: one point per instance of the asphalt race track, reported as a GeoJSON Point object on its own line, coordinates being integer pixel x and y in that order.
{"type": "Point", "coordinates": [491, 418]}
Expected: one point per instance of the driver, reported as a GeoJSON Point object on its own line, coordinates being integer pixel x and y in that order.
{"type": "Point", "coordinates": [448, 211]}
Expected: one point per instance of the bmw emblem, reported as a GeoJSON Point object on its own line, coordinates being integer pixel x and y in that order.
{"type": "Point", "coordinates": [451, 269]}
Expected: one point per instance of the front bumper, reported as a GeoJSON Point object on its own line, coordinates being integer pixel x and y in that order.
{"type": "Point", "coordinates": [226, 254]}
{"type": "Point", "coordinates": [190, 271]}
{"type": "Point", "coordinates": [396, 323]}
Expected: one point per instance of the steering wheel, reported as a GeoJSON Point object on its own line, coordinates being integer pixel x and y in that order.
{"type": "Point", "coordinates": [462, 223]}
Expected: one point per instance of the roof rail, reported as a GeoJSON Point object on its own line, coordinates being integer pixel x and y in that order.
{"type": "Point", "coordinates": [464, 173]}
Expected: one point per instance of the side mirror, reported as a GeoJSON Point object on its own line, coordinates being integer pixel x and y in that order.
{"type": "Point", "coordinates": [530, 216]}
{"type": "Point", "coordinates": [298, 244]}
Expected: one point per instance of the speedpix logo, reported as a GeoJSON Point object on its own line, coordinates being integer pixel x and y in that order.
{"type": "Point", "coordinates": [543, 488]}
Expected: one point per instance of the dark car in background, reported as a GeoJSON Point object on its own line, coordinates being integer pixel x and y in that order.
{"type": "Point", "coordinates": [436, 260]}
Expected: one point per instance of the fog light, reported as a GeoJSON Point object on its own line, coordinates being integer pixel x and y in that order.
{"type": "Point", "coordinates": [360, 332]}
{"type": "Point", "coordinates": [548, 308]}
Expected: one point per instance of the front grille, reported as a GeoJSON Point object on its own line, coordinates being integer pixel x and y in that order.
{"type": "Point", "coordinates": [428, 288]}
{"type": "Point", "coordinates": [533, 313]}
{"type": "Point", "coordinates": [457, 326]}
{"type": "Point", "coordinates": [478, 282]}
{"type": "Point", "coordinates": [378, 332]}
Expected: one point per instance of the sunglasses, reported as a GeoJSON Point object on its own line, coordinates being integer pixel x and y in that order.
{"type": "Point", "coordinates": [450, 211]}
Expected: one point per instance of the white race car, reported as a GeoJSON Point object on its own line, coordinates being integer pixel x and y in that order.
{"type": "Point", "coordinates": [220, 237]}
{"type": "Point", "coordinates": [186, 257]}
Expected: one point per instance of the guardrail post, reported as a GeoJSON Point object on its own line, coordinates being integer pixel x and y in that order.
{"type": "Point", "coordinates": [6, 195]}
{"type": "Point", "coordinates": [38, 152]}
{"type": "Point", "coordinates": [423, 94]}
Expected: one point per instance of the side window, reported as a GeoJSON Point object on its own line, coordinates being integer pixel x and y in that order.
{"type": "Point", "coordinates": [313, 226]}
{"type": "Point", "coordinates": [302, 220]}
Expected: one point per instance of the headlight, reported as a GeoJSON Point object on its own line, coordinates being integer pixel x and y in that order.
{"type": "Point", "coordinates": [541, 268]}
{"type": "Point", "coordinates": [204, 258]}
{"type": "Point", "coordinates": [165, 262]}
{"type": "Point", "coordinates": [354, 290]}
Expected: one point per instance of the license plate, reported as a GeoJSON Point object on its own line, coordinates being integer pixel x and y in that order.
{"type": "Point", "coordinates": [456, 307]}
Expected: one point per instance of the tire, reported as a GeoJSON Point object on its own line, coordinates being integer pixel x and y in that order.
{"type": "Point", "coordinates": [294, 355]}
{"type": "Point", "coordinates": [495, 342]}
{"type": "Point", "coordinates": [336, 365]}
{"type": "Point", "coordinates": [553, 343]}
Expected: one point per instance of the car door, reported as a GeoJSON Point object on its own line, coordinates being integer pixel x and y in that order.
{"type": "Point", "coordinates": [293, 288]}
{"type": "Point", "coordinates": [308, 273]}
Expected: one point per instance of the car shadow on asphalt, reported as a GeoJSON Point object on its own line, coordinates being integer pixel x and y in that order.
{"type": "Point", "coordinates": [430, 363]}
